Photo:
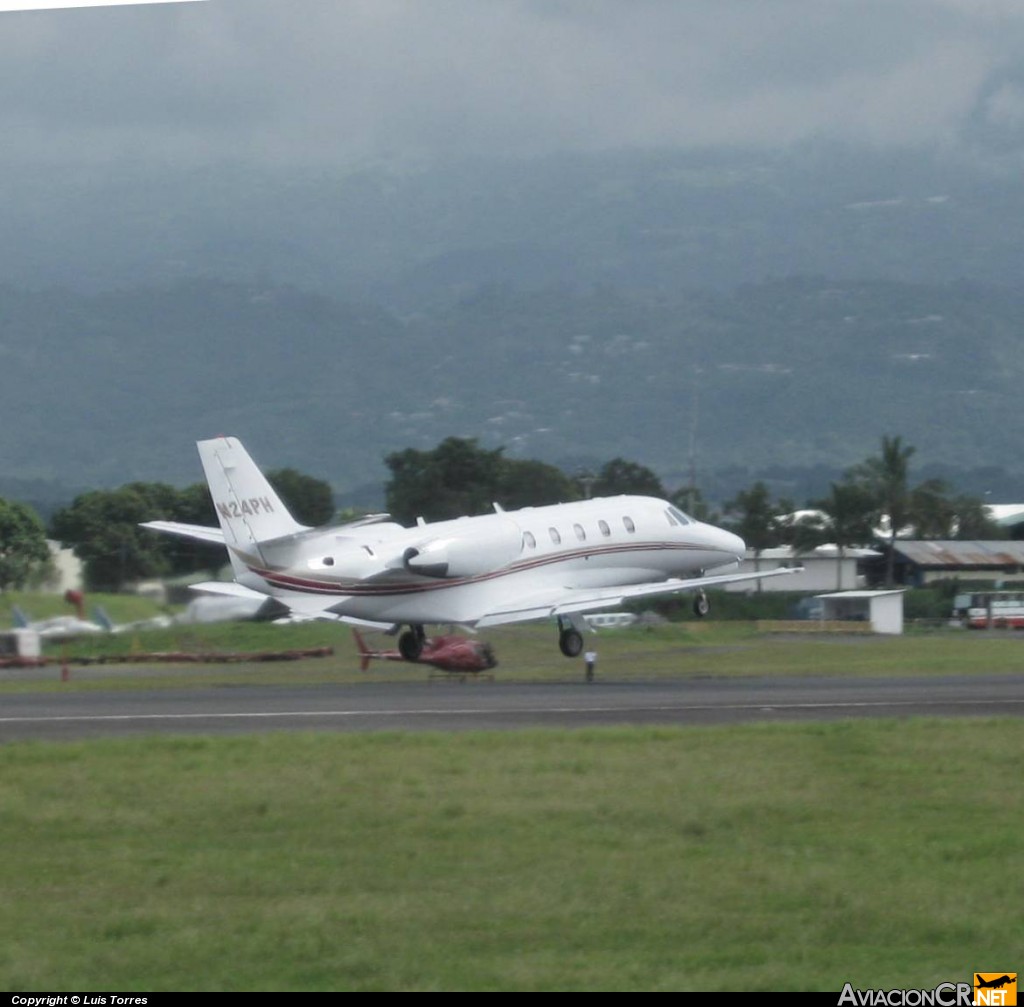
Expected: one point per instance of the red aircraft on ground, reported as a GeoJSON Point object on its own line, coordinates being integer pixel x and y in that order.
{"type": "Point", "coordinates": [455, 654]}
{"type": "Point", "coordinates": [449, 653]}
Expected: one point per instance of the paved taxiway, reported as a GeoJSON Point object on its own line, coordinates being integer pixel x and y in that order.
{"type": "Point", "coordinates": [482, 705]}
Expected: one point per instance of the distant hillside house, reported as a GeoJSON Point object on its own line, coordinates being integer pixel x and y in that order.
{"type": "Point", "coordinates": [922, 562]}
{"type": "Point", "coordinates": [823, 569]}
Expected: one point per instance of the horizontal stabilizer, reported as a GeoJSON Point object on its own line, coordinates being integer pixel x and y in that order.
{"type": "Point", "coordinates": [232, 588]}
{"type": "Point", "coordinates": [199, 532]}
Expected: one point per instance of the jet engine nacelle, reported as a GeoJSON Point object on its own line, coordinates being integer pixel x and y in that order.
{"type": "Point", "coordinates": [467, 554]}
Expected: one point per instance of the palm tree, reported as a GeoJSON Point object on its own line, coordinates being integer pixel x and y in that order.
{"type": "Point", "coordinates": [756, 521]}
{"type": "Point", "coordinates": [851, 511]}
{"type": "Point", "coordinates": [885, 478]}
{"type": "Point", "coordinates": [933, 512]}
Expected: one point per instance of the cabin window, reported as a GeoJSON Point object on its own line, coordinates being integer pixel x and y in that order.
{"type": "Point", "coordinates": [628, 524]}
{"type": "Point", "coordinates": [328, 561]}
{"type": "Point", "coordinates": [555, 537]}
{"type": "Point", "coordinates": [529, 539]}
{"type": "Point", "coordinates": [605, 530]}
{"type": "Point", "coordinates": [580, 533]}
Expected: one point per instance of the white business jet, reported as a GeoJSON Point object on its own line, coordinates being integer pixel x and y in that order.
{"type": "Point", "coordinates": [557, 562]}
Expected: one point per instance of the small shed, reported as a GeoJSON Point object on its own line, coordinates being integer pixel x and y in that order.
{"type": "Point", "coordinates": [882, 609]}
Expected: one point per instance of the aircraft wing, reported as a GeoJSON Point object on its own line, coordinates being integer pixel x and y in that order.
{"type": "Point", "coordinates": [574, 601]}
{"type": "Point", "coordinates": [196, 531]}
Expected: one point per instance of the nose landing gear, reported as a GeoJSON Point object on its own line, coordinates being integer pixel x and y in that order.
{"type": "Point", "coordinates": [701, 605]}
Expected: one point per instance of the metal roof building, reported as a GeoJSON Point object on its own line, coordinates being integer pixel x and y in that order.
{"type": "Point", "coordinates": [921, 562]}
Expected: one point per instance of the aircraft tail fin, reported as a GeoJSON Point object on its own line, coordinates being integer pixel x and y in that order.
{"type": "Point", "coordinates": [100, 617]}
{"type": "Point", "coordinates": [21, 620]}
{"type": "Point", "coordinates": [248, 507]}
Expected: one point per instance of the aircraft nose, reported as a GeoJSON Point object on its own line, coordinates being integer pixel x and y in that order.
{"type": "Point", "coordinates": [735, 545]}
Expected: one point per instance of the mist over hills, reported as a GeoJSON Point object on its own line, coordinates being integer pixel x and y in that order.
{"type": "Point", "coordinates": [402, 233]}
{"type": "Point", "coordinates": [780, 312]}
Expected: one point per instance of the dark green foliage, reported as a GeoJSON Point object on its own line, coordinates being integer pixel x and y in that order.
{"type": "Point", "coordinates": [530, 483]}
{"type": "Point", "coordinates": [932, 510]}
{"type": "Point", "coordinates": [886, 477]}
{"type": "Point", "coordinates": [311, 501]}
{"type": "Point", "coordinates": [927, 509]}
{"type": "Point", "coordinates": [972, 520]}
{"type": "Point", "coordinates": [726, 606]}
{"type": "Point", "coordinates": [454, 479]}
{"type": "Point", "coordinates": [459, 478]}
{"type": "Point", "coordinates": [23, 549]}
{"type": "Point", "coordinates": [103, 527]}
{"type": "Point", "coordinates": [852, 513]}
{"type": "Point", "coordinates": [934, 602]}
{"type": "Point", "coordinates": [691, 500]}
{"type": "Point", "coordinates": [756, 517]}
{"type": "Point", "coordinates": [623, 477]}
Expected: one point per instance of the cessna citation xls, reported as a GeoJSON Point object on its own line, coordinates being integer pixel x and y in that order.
{"type": "Point", "coordinates": [555, 562]}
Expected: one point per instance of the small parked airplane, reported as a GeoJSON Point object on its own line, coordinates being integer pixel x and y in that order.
{"type": "Point", "coordinates": [57, 627]}
{"type": "Point", "coordinates": [454, 653]}
{"type": "Point", "coordinates": [558, 561]}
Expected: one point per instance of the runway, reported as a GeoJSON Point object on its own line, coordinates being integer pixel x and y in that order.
{"type": "Point", "coordinates": [482, 705]}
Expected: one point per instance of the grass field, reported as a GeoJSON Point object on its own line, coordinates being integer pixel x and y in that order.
{"type": "Point", "coordinates": [775, 857]}
{"type": "Point", "coordinates": [769, 857]}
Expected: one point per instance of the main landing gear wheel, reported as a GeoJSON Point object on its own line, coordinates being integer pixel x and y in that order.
{"type": "Point", "coordinates": [410, 643]}
{"type": "Point", "coordinates": [701, 605]}
{"type": "Point", "coordinates": [570, 642]}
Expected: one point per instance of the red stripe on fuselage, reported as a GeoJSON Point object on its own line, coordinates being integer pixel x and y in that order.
{"type": "Point", "coordinates": [364, 589]}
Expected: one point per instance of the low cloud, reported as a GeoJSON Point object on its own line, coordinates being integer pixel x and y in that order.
{"type": "Point", "coordinates": [326, 82]}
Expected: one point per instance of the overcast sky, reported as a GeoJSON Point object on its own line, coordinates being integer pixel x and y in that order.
{"type": "Point", "coordinates": [339, 80]}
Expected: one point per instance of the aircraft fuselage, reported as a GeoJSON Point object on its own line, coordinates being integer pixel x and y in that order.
{"type": "Point", "coordinates": [458, 570]}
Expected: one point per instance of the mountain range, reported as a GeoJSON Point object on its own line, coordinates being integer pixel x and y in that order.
{"type": "Point", "coordinates": [720, 313]}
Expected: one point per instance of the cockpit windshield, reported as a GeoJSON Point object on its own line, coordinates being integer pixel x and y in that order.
{"type": "Point", "coordinates": [676, 516]}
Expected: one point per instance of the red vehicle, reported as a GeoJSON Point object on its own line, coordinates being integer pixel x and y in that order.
{"type": "Point", "coordinates": [457, 654]}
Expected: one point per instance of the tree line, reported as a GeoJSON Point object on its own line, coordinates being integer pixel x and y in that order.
{"type": "Point", "coordinates": [458, 478]}
{"type": "Point", "coordinates": [876, 498]}
{"type": "Point", "coordinates": [103, 528]}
